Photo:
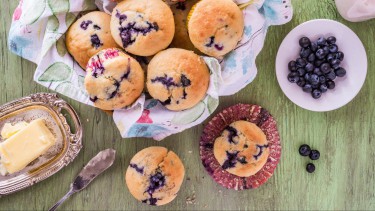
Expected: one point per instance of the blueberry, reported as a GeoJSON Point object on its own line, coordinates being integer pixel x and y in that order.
{"type": "Point", "coordinates": [304, 42]}
{"type": "Point", "coordinates": [301, 62]}
{"type": "Point", "coordinates": [317, 63]}
{"type": "Point", "coordinates": [326, 50]}
{"type": "Point", "coordinates": [335, 62]}
{"type": "Point", "coordinates": [314, 46]}
{"type": "Point", "coordinates": [307, 88]}
{"type": "Point", "coordinates": [341, 72]}
{"type": "Point", "coordinates": [316, 93]}
{"type": "Point", "coordinates": [331, 75]}
{"type": "Point", "coordinates": [305, 52]}
{"type": "Point", "coordinates": [320, 54]}
{"type": "Point", "coordinates": [322, 79]}
{"type": "Point", "coordinates": [323, 88]}
{"type": "Point", "coordinates": [304, 150]}
{"type": "Point", "coordinates": [311, 57]}
{"type": "Point", "coordinates": [301, 82]}
{"type": "Point", "coordinates": [330, 57]}
{"type": "Point", "coordinates": [314, 79]}
{"type": "Point", "coordinates": [321, 41]}
{"type": "Point", "coordinates": [314, 155]}
{"type": "Point", "coordinates": [315, 86]}
{"type": "Point", "coordinates": [309, 67]}
{"type": "Point", "coordinates": [293, 78]}
{"type": "Point", "coordinates": [331, 40]}
{"type": "Point", "coordinates": [339, 55]}
{"type": "Point", "coordinates": [317, 71]}
{"type": "Point", "coordinates": [310, 167]}
{"type": "Point", "coordinates": [301, 71]}
{"type": "Point", "coordinates": [307, 76]}
{"type": "Point", "coordinates": [325, 68]}
{"type": "Point", "coordinates": [333, 48]}
{"type": "Point", "coordinates": [292, 66]}
{"type": "Point", "coordinates": [330, 84]}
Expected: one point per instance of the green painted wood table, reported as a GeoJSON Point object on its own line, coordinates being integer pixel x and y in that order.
{"type": "Point", "coordinates": [344, 178]}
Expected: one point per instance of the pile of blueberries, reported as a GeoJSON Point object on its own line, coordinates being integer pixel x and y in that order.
{"type": "Point", "coordinates": [305, 150]}
{"type": "Point", "coordinates": [318, 66]}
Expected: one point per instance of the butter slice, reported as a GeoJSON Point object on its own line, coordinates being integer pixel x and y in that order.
{"type": "Point", "coordinates": [9, 129]}
{"type": "Point", "coordinates": [25, 146]}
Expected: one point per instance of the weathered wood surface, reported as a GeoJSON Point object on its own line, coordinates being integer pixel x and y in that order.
{"type": "Point", "coordinates": [344, 178]}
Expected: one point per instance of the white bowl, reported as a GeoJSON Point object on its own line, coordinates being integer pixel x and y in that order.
{"type": "Point", "coordinates": [355, 63]}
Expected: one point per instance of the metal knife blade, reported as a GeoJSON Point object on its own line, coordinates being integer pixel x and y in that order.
{"type": "Point", "coordinates": [93, 168]}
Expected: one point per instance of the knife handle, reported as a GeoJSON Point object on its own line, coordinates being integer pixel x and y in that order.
{"type": "Point", "coordinates": [67, 195]}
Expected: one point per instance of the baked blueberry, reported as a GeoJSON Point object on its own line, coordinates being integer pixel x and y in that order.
{"type": "Point", "coordinates": [304, 42]}
{"type": "Point", "coordinates": [301, 62]}
{"type": "Point", "coordinates": [309, 67]}
{"type": "Point", "coordinates": [301, 71]}
{"type": "Point", "coordinates": [325, 68]}
{"type": "Point", "coordinates": [331, 40]}
{"type": "Point", "coordinates": [292, 66]}
{"type": "Point", "coordinates": [323, 88]}
{"type": "Point", "coordinates": [341, 72]}
{"type": "Point", "coordinates": [304, 150]}
{"type": "Point", "coordinates": [321, 41]}
{"type": "Point", "coordinates": [330, 84]}
{"type": "Point", "coordinates": [331, 75]}
{"type": "Point", "coordinates": [316, 93]}
{"type": "Point", "coordinates": [314, 155]}
{"type": "Point", "coordinates": [307, 88]}
{"type": "Point", "coordinates": [310, 167]}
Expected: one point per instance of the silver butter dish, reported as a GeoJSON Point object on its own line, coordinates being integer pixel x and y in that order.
{"type": "Point", "coordinates": [48, 107]}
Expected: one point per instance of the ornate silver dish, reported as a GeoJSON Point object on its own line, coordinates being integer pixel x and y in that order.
{"type": "Point", "coordinates": [49, 107]}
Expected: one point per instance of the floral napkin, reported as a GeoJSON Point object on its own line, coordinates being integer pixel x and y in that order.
{"type": "Point", "coordinates": [37, 34]}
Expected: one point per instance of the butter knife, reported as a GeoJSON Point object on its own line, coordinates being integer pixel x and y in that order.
{"type": "Point", "coordinates": [102, 161]}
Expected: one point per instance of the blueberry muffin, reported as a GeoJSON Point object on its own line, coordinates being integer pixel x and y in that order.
{"type": "Point", "coordinates": [178, 78]}
{"type": "Point", "coordinates": [142, 27]}
{"type": "Point", "coordinates": [155, 175]}
{"type": "Point", "coordinates": [215, 26]}
{"type": "Point", "coordinates": [114, 79]}
{"type": "Point", "coordinates": [89, 35]}
{"type": "Point", "coordinates": [242, 148]}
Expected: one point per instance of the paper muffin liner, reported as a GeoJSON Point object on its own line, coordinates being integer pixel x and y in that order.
{"type": "Point", "coordinates": [214, 128]}
{"type": "Point", "coordinates": [37, 34]}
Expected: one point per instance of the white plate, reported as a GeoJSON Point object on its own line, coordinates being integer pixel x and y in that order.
{"type": "Point", "coordinates": [355, 63]}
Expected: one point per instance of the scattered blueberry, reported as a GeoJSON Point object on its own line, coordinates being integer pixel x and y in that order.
{"type": "Point", "coordinates": [314, 155]}
{"type": "Point", "coordinates": [310, 167]}
{"type": "Point", "coordinates": [316, 93]}
{"type": "Point", "coordinates": [330, 84]}
{"type": "Point", "coordinates": [341, 72]}
{"type": "Point", "coordinates": [304, 150]}
{"type": "Point", "coordinates": [304, 42]}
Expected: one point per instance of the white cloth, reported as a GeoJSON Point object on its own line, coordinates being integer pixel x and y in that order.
{"type": "Point", "coordinates": [356, 10]}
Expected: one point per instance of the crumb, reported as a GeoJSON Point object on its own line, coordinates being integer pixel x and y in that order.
{"type": "Point", "coordinates": [190, 199]}
{"type": "Point", "coordinates": [190, 151]}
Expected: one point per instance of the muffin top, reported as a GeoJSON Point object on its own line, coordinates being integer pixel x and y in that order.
{"type": "Point", "coordinates": [215, 26]}
{"type": "Point", "coordinates": [114, 79]}
{"type": "Point", "coordinates": [89, 35]}
{"type": "Point", "coordinates": [155, 175]}
{"type": "Point", "coordinates": [178, 78]}
{"type": "Point", "coordinates": [142, 27]}
{"type": "Point", "coordinates": [242, 149]}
